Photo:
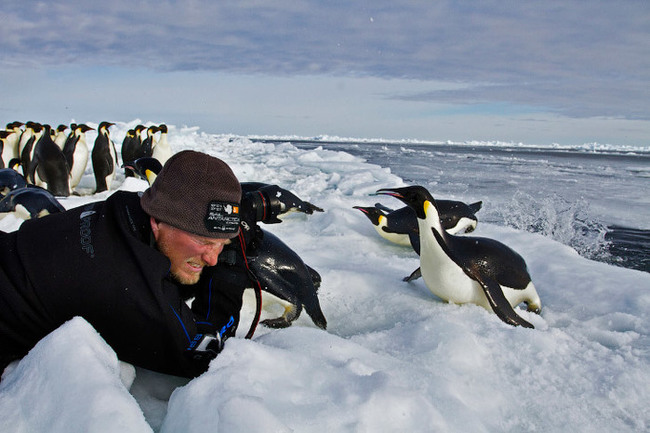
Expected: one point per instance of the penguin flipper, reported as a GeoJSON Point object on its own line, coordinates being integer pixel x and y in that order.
{"type": "Point", "coordinates": [384, 208]}
{"type": "Point", "coordinates": [475, 207]}
{"type": "Point", "coordinates": [500, 304]}
{"type": "Point", "coordinates": [414, 275]}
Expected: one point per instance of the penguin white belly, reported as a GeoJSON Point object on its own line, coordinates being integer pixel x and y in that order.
{"type": "Point", "coordinates": [79, 163]}
{"type": "Point", "coordinates": [8, 152]}
{"type": "Point", "coordinates": [445, 278]}
{"type": "Point", "coordinates": [396, 238]}
{"type": "Point", "coordinates": [111, 175]}
{"type": "Point", "coordinates": [162, 151]}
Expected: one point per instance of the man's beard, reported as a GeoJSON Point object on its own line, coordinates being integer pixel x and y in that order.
{"type": "Point", "coordinates": [187, 278]}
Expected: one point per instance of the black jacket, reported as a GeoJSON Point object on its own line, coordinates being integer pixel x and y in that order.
{"type": "Point", "coordinates": [98, 261]}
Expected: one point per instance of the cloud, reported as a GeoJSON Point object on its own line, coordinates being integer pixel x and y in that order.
{"type": "Point", "coordinates": [575, 58]}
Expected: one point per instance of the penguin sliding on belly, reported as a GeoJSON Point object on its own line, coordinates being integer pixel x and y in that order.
{"type": "Point", "coordinates": [29, 202]}
{"type": "Point", "coordinates": [283, 274]}
{"type": "Point", "coordinates": [400, 226]}
{"type": "Point", "coordinates": [10, 180]}
{"type": "Point", "coordinates": [468, 269]}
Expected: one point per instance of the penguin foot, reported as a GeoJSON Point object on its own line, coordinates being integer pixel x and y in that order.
{"type": "Point", "coordinates": [414, 276]}
{"type": "Point", "coordinates": [537, 309]}
{"type": "Point", "coordinates": [278, 323]}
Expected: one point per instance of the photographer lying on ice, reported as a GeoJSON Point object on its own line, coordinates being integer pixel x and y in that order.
{"type": "Point", "coordinates": [128, 264]}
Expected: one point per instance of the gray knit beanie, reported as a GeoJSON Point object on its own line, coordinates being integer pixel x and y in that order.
{"type": "Point", "coordinates": [197, 193]}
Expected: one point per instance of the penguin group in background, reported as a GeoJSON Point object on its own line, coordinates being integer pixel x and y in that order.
{"type": "Point", "coordinates": [104, 158]}
{"type": "Point", "coordinates": [468, 269]}
{"type": "Point", "coordinates": [19, 142]}
{"type": "Point", "coordinates": [136, 147]}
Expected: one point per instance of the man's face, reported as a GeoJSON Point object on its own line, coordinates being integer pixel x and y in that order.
{"type": "Point", "coordinates": [187, 252]}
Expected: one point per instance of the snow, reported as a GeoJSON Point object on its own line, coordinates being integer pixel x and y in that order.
{"type": "Point", "coordinates": [394, 357]}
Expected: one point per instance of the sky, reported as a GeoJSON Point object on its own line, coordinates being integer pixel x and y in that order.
{"type": "Point", "coordinates": [567, 72]}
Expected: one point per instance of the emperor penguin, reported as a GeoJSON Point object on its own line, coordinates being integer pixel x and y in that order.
{"type": "Point", "coordinates": [468, 269]}
{"type": "Point", "coordinates": [128, 151]}
{"type": "Point", "coordinates": [104, 158]}
{"type": "Point", "coordinates": [49, 168]}
{"type": "Point", "coordinates": [29, 202]}
{"type": "Point", "coordinates": [283, 274]}
{"type": "Point", "coordinates": [28, 140]}
{"type": "Point", "coordinates": [10, 149]}
{"type": "Point", "coordinates": [149, 142]}
{"type": "Point", "coordinates": [76, 153]}
{"type": "Point", "coordinates": [400, 226]}
{"type": "Point", "coordinates": [147, 168]}
{"type": "Point", "coordinates": [10, 179]}
{"type": "Point", "coordinates": [3, 138]}
{"type": "Point", "coordinates": [60, 136]}
{"type": "Point", "coordinates": [162, 151]}
{"type": "Point", "coordinates": [132, 148]}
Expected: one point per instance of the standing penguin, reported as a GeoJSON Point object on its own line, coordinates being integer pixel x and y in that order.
{"type": "Point", "coordinates": [162, 151]}
{"type": "Point", "coordinates": [76, 153]}
{"type": "Point", "coordinates": [49, 168]}
{"type": "Point", "coordinates": [148, 143]}
{"type": "Point", "coordinates": [128, 151]}
{"type": "Point", "coordinates": [468, 269]}
{"type": "Point", "coordinates": [10, 149]}
{"type": "Point", "coordinates": [60, 136]}
{"type": "Point", "coordinates": [28, 140]}
{"type": "Point", "coordinates": [104, 158]}
{"type": "Point", "coordinates": [3, 138]}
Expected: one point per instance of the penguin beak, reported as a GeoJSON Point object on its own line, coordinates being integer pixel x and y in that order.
{"type": "Point", "coordinates": [411, 196]}
{"type": "Point", "coordinates": [390, 192]}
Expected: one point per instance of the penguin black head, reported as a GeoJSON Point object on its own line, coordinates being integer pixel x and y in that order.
{"type": "Point", "coordinates": [147, 168]}
{"type": "Point", "coordinates": [104, 126]}
{"type": "Point", "coordinates": [14, 125]}
{"type": "Point", "coordinates": [84, 128]}
{"type": "Point", "coordinates": [162, 128]}
{"type": "Point", "coordinates": [371, 212]}
{"type": "Point", "coordinates": [413, 196]}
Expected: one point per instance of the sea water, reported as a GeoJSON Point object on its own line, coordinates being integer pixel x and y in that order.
{"type": "Point", "coordinates": [596, 201]}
